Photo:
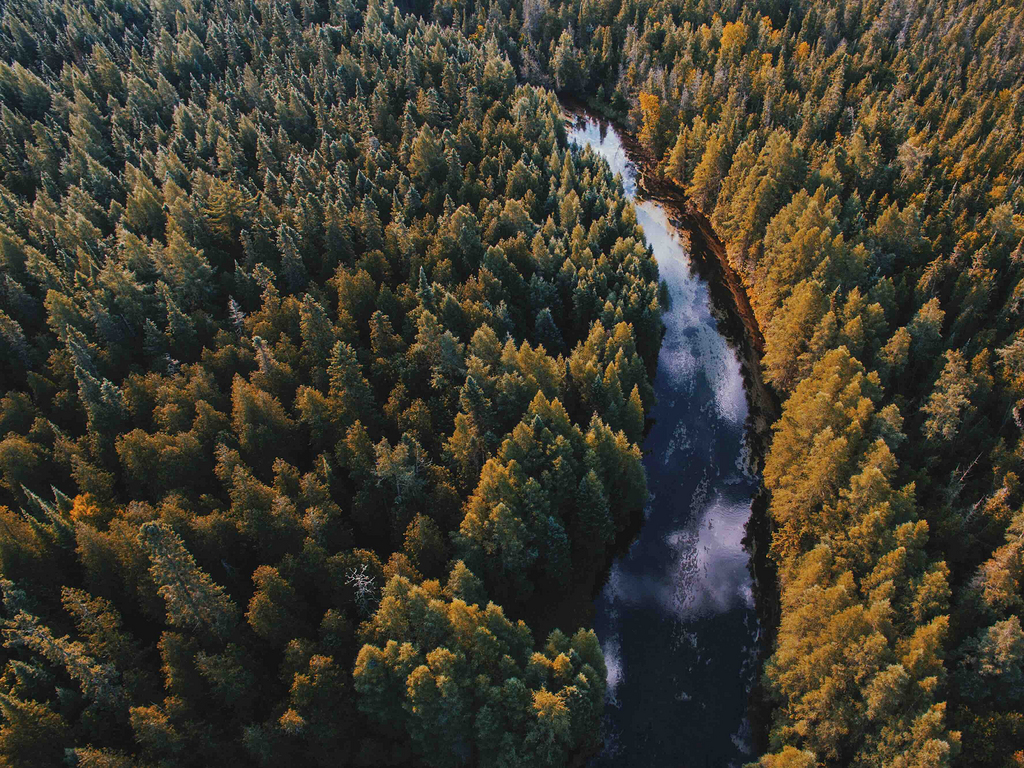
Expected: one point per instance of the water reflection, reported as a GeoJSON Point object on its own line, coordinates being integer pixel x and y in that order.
{"type": "Point", "coordinates": [691, 340]}
{"type": "Point", "coordinates": [676, 618]}
{"type": "Point", "coordinates": [711, 573]}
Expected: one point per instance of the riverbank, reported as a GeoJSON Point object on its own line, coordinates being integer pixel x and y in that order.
{"type": "Point", "coordinates": [732, 310]}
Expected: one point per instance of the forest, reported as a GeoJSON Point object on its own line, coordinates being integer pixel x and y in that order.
{"type": "Point", "coordinates": [325, 362]}
{"type": "Point", "coordinates": [323, 354]}
{"type": "Point", "coordinates": [862, 162]}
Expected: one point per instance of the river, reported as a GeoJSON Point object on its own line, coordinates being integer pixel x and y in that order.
{"type": "Point", "coordinates": [676, 617]}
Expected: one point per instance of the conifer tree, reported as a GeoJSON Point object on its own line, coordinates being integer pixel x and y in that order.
{"type": "Point", "coordinates": [192, 598]}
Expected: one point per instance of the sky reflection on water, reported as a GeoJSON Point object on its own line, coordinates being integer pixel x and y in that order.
{"type": "Point", "coordinates": [676, 618]}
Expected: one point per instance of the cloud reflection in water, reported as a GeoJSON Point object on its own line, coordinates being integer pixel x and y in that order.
{"type": "Point", "coordinates": [674, 618]}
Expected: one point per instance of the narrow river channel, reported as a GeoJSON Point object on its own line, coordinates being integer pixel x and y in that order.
{"type": "Point", "coordinates": [676, 617]}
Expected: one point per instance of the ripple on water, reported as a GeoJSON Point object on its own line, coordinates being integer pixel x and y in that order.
{"type": "Point", "coordinates": [679, 442]}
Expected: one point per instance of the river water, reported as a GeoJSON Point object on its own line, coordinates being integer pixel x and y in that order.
{"type": "Point", "coordinates": [676, 617]}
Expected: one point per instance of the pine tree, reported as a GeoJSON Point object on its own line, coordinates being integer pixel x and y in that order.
{"type": "Point", "coordinates": [100, 682]}
{"type": "Point", "coordinates": [426, 161]}
{"type": "Point", "coordinates": [192, 598]}
{"type": "Point", "coordinates": [565, 65]}
{"type": "Point", "coordinates": [348, 387]}
{"type": "Point", "coordinates": [32, 735]}
{"type": "Point", "coordinates": [676, 166]}
{"type": "Point", "coordinates": [950, 400]}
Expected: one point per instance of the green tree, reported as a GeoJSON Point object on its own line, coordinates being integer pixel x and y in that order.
{"type": "Point", "coordinates": [193, 600]}
{"type": "Point", "coordinates": [950, 400]}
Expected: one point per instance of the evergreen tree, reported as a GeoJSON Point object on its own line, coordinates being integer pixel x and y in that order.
{"type": "Point", "coordinates": [193, 600]}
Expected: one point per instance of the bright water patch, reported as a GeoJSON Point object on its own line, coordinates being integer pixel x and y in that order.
{"type": "Point", "coordinates": [676, 617]}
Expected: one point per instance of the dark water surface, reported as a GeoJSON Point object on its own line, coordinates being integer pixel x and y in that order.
{"type": "Point", "coordinates": [676, 618]}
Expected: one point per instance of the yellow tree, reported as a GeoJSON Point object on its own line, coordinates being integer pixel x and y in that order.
{"type": "Point", "coordinates": [650, 111]}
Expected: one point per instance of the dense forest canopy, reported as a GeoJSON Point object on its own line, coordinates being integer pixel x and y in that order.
{"type": "Point", "coordinates": [863, 163]}
{"type": "Point", "coordinates": [326, 360]}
